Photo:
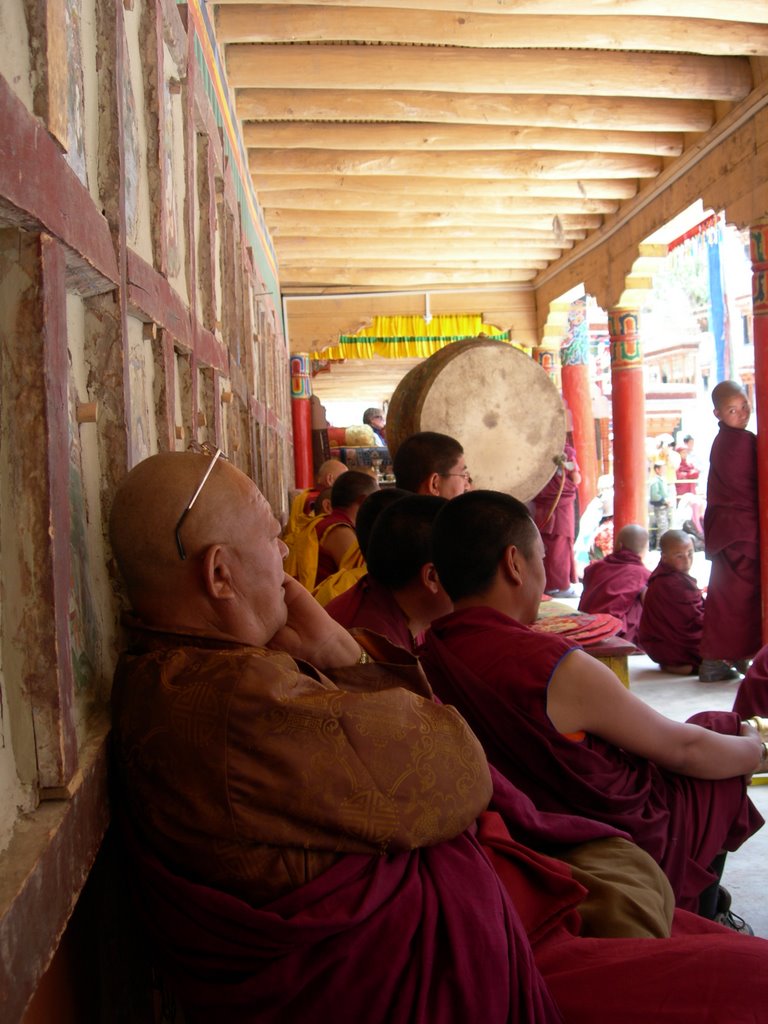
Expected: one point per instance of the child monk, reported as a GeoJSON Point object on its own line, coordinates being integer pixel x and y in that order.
{"type": "Point", "coordinates": [616, 584]}
{"type": "Point", "coordinates": [673, 610]}
{"type": "Point", "coordinates": [731, 631]}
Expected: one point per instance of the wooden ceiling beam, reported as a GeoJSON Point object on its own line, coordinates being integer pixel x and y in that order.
{"type": "Point", "coordinates": [456, 261]}
{"type": "Point", "coordinates": [317, 199]}
{"type": "Point", "coordinates": [455, 138]}
{"type": "Point", "coordinates": [479, 164]}
{"type": "Point", "coordinates": [327, 220]}
{"type": "Point", "coordinates": [733, 10]}
{"type": "Point", "coordinates": [275, 23]}
{"type": "Point", "coordinates": [587, 72]}
{"type": "Point", "coordinates": [339, 236]}
{"type": "Point", "coordinates": [609, 188]}
{"type": "Point", "coordinates": [425, 249]}
{"type": "Point", "coordinates": [417, 279]}
{"type": "Point", "coordinates": [595, 113]}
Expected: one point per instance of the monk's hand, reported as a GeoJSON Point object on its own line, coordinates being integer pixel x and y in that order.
{"type": "Point", "coordinates": [761, 748]}
{"type": "Point", "coordinates": [311, 634]}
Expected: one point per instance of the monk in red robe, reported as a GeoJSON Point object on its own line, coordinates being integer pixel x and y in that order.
{"type": "Point", "coordinates": [732, 623]}
{"type": "Point", "coordinates": [673, 610]}
{"type": "Point", "coordinates": [560, 725]}
{"type": "Point", "coordinates": [309, 843]}
{"type": "Point", "coordinates": [616, 584]}
{"type": "Point", "coordinates": [400, 595]}
{"type": "Point", "coordinates": [336, 532]}
{"type": "Point", "coordinates": [555, 511]}
{"type": "Point", "coordinates": [752, 695]}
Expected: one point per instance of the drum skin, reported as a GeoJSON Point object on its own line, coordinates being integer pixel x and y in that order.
{"type": "Point", "coordinates": [496, 401]}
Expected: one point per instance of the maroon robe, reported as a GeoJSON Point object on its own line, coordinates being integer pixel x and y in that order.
{"type": "Point", "coordinates": [732, 622]}
{"type": "Point", "coordinates": [752, 695]}
{"type": "Point", "coordinates": [673, 612]}
{"type": "Point", "coordinates": [496, 672]}
{"type": "Point", "coordinates": [615, 585]}
{"type": "Point", "coordinates": [370, 605]}
{"type": "Point", "coordinates": [558, 529]}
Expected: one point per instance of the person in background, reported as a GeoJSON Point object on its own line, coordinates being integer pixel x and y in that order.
{"type": "Point", "coordinates": [336, 532]}
{"type": "Point", "coordinates": [303, 509]}
{"type": "Point", "coordinates": [375, 420]}
{"type": "Point", "coordinates": [659, 498]}
{"type": "Point", "coordinates": [732, 630]}
{"type": "Point", "coordinates": [616, 584]}
{"type": "Point", "coordinates": [554, 514]}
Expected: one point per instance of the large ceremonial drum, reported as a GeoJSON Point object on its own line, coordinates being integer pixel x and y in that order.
{"type": "Point", "coordinates": [499, 405]}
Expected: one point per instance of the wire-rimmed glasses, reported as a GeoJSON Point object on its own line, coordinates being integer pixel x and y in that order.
{"type": "Point", "coordinates": [215, 454]}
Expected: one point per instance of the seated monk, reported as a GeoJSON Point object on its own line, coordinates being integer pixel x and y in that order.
{"type": "Point", "coordinates": [616, 584]}
{"type": "Point", "coordinates": [305, 505]}
{"type": "Point", "coordinates": [400, 594]}
{"type": "Point", "coordinates": [431, 463]}
{"type": "Point", "coordinates": [673, 610]}
{"type": "Point", "coordinates": [559, 724]}
{"type": "Point", "coordinates": [291, 809]}
{"type": "Point", "coordinates": [336, 532]}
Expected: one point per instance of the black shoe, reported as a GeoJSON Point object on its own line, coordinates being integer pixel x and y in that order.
{"type": "Point", "coordinates": [711, 671]}
{"type": "Point", "coordinates": [742, 665]}
{"type": "Point", "coordinates": [737, 924]}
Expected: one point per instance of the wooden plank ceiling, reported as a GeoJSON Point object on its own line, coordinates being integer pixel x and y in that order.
{"type": "Point", "coordinates": [409, 144]}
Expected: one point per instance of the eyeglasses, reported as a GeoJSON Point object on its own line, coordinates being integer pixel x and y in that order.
{"type": "Point", "coordinates": [464, 473]}
{"type": "Point", "coordinates": [215, 454]}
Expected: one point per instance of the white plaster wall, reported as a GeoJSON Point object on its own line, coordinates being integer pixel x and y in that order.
{"type": "Point", "coordinates": [142, 381]}
{"type": "Point", "coordinates": [14, 50]}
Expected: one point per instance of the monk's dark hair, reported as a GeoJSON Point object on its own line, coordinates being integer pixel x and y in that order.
{"type": "Point", "coordinates": [422, 454]}
{"type": "Point", "coordinates": [369, 511]}
{"type": "Point", "coordinates": [470, 536]}
{"type": "Point", "coordinates": [401, 539]}
{"type": "Point", "coordinates": [351, 487]}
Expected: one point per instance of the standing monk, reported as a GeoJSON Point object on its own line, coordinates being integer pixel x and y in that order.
{"type": "Point", "coordinates": [555, 515]}
{"type": "Point", "coordinates": [732, 616]}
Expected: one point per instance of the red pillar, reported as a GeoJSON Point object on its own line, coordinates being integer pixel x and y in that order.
{"type": "Point", "coordinates": [630, 499]}
{"type": "Point", "coordinates": [574, 356]}
{"type": "Point", "coordinates": [758, 245]}
{"type": "Point", "coordinates": [301, 416]}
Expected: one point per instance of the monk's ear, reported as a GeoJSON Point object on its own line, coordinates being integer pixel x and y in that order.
{"type": "Point", "coordinates": [429, 578]}
{"type": "Point", "coordinates": [433, 484]}
{"type": "Point", "coordinates": [512, 564]}
{"type": "Point", "coordinates": [217, 577]}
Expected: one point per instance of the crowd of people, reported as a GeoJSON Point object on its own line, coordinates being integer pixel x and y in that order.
{"type": "Point", "coordinates": [407, 806]}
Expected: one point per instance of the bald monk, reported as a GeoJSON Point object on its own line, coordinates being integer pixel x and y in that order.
{"type": "Point", "coordinates": [559, 724]}
{"type": "Point", "coordinates": [732, 624]}
{"type": "Point", "coordinates": [304, 506]}
{"type": "Point", "coordinates": [272, 878]}
{"type": "Point", "coordinates": [400, 594]}
{"type": "Point", "coordinates": [616, 584]}
{"type": "Point", "coordinates": [673, 610]}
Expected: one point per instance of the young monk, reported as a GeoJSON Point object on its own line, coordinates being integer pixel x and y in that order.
{"type": "Point", "coordinates": [431, 463]}
{"type": "Point", "coordinates": [616, 584]}
{"type": "Point", "coordinates": [732, 626]}
{"type": "Point", "coordinates": [560, 725]}
{"type": "Point", "coordinates": [336, 532]}
{"type": "Point", "coordinates": [400, 594]}
{"type": "Point", "coordinates": [673, 610]}
{"type": "Point", "coordinates": [306, 833]}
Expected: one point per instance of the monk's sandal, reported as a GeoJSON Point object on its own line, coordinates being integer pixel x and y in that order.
{"type": "Point", "coordinates": [716, 671]}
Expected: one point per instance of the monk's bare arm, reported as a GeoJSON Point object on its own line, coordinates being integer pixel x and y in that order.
{"type": "Point", "coordinates": [338, 541]}
{"type": "Point", "coordinates": [585, 695]}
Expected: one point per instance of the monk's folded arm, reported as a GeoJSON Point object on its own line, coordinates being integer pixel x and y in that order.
{"type": "Point", "coordinates": [584, 695]}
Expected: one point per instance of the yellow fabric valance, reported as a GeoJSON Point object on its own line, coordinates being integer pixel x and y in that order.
{"type": "Point", "coordinates": [402, 337]}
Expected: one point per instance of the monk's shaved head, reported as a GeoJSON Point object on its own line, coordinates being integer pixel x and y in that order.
{"type": "Point", "coordinates": [724, 390]}
{"type": "Point", "coordinates": [632, 537]}
{"type": "Point", "coordinates": [329, 471]}
{"type": "Point", "coordinates": [148, 504]}
{"type": "Point", "coordinates": [673, 539]}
